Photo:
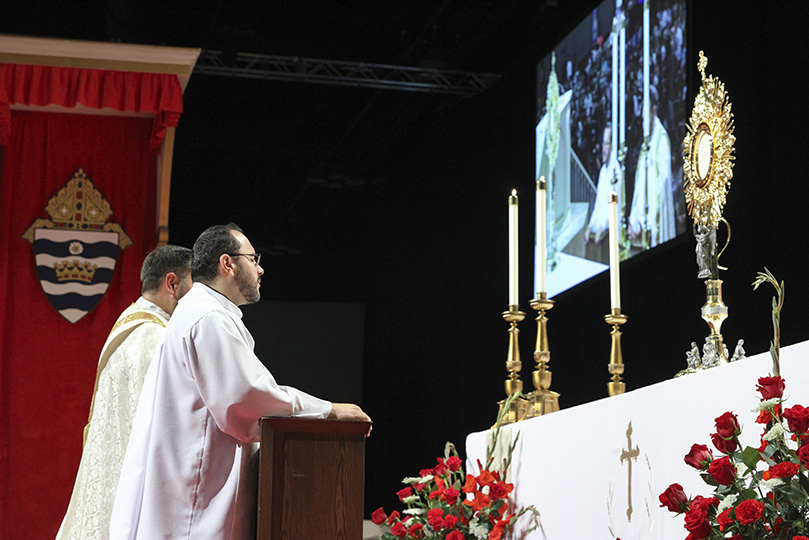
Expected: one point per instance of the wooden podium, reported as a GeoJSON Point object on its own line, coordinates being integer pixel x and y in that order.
{"type": "Point", "coordinates": [311, 479]}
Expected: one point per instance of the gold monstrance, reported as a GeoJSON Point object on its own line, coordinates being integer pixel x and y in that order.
{"type": "Point", "coordinates": [707, 170]}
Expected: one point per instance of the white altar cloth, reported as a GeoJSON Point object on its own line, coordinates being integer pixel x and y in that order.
{"type": "Point", "coordinates": [569, 464]}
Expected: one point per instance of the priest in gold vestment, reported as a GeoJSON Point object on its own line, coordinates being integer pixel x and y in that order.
{"type": "Point", "coordinates": [127, 353]}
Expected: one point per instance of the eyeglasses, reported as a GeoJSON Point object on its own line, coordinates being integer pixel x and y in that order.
{"type": "Point", "coordinates": [256, 257]}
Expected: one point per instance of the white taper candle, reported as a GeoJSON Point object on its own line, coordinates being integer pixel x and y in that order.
{"type": "Point", "coordinates": [513, 257]}
{"type": "Point", "coordinates": [615, 280]}
{"type": "Point", "coordinates": [541, 239]}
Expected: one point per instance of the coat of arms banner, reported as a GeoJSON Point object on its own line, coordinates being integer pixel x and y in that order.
{"type": "Point", "coordinates": [77, 199]}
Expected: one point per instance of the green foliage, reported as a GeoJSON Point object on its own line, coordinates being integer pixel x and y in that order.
{"type": "Point", "coordinates": [777, 304]}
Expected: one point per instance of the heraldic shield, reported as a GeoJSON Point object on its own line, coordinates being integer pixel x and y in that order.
{"type": "Point", "coordinates": [76, 252]}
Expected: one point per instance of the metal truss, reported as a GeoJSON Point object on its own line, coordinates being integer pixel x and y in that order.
{"type": "Point", "coordinates": [359, 74]}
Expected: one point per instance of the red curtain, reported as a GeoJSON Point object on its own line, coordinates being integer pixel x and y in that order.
{"type": "Point", "coordinates": [47, 365]}
{"type": "Point", "coordinates": [94, 88]}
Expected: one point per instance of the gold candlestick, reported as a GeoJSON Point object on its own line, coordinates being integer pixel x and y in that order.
{"type": "Point", "coordinates": [616, 365]}
{"type": "Point", "coordinates": [542, 400]}
{"type": "Point", "coordinates": [516, 409]}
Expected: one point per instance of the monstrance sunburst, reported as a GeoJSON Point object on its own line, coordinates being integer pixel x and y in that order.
{"type": "Point", "coordinates": [708, 151]}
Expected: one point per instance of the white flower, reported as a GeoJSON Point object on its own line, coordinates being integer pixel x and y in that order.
{"type": "Point", "coordinates": [776, 431]}
{"type": "Point", "coordinates": [740, 469]}
{"type": "Point", "coordinates": [415, 511]}
{"type": "Point", "coordinates": [480, 531]}
{"type": "Point", "coordinates": [411, 480]}
{"type": "Point", "coordinates": [425, 479]}
{"type": "Point", "coordinates": [767, 405]}
{"type": "Point", "coordinates": [76, 248]}
{"type": "Point", "coordinates": [726, 503]}
{"type": "Point", "coordinates": [772, 482]}
{"type": "Point", "coordinates": [411, 499]}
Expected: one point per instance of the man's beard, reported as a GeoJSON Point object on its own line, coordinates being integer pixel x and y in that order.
{"type": "Point", "coordinates": [247, 287]}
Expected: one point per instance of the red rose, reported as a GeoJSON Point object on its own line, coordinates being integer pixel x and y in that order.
{"type": "Point", "coordinates": [393, 517]}
{"type": "Point", "coordinates": [696, 522]}
{"type": "Point", "coordinates": [435, 517]}
{"type": "Point", "coordinates": [674, 498]}
{"type": "Point", "coordinates": [749, 511]}
{"type": "Point", "coordinates": [722, 470]}
{"type": "Point", "coordinates": [724, 519]}
{"type": "Point", "coordinates": [500, 490]}
{"type": "Point", "coordinates": [703, 502]}
{"type": "Point", "coordinates": [398, 529]}
{"type": "Point", "coordinates": [798, 418]}
{"type": "Point", "coordinates": [450, 496]}
{"type": "Point", "coordinates": [455, 535]}
{"type": "Point", "coordinates": [426, 472]}
{"type": "Point", "coordinates": [726, 446]}
{"type": "Point", "coordinates": [727, 425]}
{"type": "Point", "coordinates": [379, 516]}
{"type": "Point", "coordinates": [435, 512]}
{"type": "Point", "coordinates": [450, 521]}
{"type": "Point", "coordinates": [454, 463]}
{"type": "Point", "coordinates": [785, 469]}
{"type": "Point", "coordinates": [699, 457]}
{"type": "Point", "coordinates": [803, 455]}
{"type": "Point", "coordinates": [404, 493]}
{"type": "Point", "coordinates": [415, 530]}
{"type": "Point", "coordinates": [441, 468]}
{"type": "Point", "coordinates": [770, 387]}
{"type": "Point", "coordinates": [800, 537]}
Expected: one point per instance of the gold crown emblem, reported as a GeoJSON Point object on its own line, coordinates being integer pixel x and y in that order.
{"type": "Point", "coordinates": [75, 271]}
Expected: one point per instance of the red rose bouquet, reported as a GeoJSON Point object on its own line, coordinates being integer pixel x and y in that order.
{"type": "Point", "coordinates": [444, 503]}
{"type": "Point", "coordinates": [759, 493]}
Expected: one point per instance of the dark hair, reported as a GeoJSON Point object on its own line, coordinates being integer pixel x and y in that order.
{"type": "Point", "coordinates": [160, 262]}
{"type": "Point", "coordinates": [211, 244]}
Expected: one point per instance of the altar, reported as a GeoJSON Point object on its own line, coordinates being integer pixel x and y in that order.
{"type": "Point", "coordinates": [595, 471]}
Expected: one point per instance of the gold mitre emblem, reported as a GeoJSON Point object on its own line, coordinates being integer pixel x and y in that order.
{"type": "Point", "coordinates": [79, 206]}
{"type": "Point", "coordinates": [708, 151]}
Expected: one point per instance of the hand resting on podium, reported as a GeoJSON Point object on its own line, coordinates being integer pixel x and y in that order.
{"type": "Point", "coordinates": [351, 412]}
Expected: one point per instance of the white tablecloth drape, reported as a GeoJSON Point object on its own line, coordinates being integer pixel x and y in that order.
{"type": "Point", "coordinates": [583, 467]}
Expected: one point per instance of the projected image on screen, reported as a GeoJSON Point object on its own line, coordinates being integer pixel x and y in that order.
{"type": "Point", "coordinates": [611, 117]}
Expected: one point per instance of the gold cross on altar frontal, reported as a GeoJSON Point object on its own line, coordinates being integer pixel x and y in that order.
{"type": "Point", "coordinates": [629, 455]}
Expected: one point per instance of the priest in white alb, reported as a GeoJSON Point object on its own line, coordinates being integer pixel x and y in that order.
{"type": "Point", "coordinates": [653, 200]}
{"type": "Point", "coordinates": [609, 179]}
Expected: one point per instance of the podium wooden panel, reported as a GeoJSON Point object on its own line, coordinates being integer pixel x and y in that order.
{"type": "Point", "coordinates": [311, 479]}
